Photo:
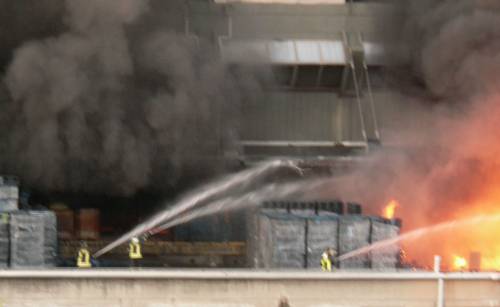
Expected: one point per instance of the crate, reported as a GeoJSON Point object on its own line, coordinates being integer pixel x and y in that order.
{"type": "Point", "coordinates": [4, 240]}
{"type": "Point", "coordinates": [387, 258]}
{"type": "Point", "coordinates": [276, 239]}
{"type": "Point", "coordinates": [9, 192]}
{"type": "Point", "coordinates": [50, 246]}
{"type": "Point", "coordinates": [65, 223]}
{"type": "Point", "coordinates": [88, 224]}
{"type": "Point", "coordinates": [9, 204]}
{"type": "Point", "coordinates": [26, 240]}
{"type": "Point", "coordinates": [321, 233]}
{"type": "Point", "coordinates": [354, 233]}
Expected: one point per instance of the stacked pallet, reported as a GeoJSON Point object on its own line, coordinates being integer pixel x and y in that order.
{"type": "Point", "coordinates": [9, 194]}
{"type": "Point", "coordinates": [26, 240]}
{"type": "Point", "coordinates": [50, 246]}
{"type": "Point", "coordinates": [388, 257]}
{"type": "Point", "coordinates": [4, 240]}
{"type": "Point", "coordinates": [277, 240]}
{"type": "Point", "coordinates": [29, 239]}
{"type": "Point", "coordinates": [281, 238]}
{"type": "Point", "coordinates": [354, 233]}
{"type": "Point", "coordinates": [321, 234]}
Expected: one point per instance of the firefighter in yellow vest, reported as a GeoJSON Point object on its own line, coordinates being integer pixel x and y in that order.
{"type": "Point", "coordinates": [83, 258]}
{"type": "Point", "coordinates": [327, 259]}
{"type": "Point", "coordinates": [134, 252]}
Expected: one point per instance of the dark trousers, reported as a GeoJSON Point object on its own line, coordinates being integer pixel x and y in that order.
{"type": "Point", "coordinates": [135, 263]}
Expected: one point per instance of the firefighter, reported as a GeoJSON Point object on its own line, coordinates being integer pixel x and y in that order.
{"type": "Point", "coordinates": [327, 258]}
{"type": "Point", "coordinates": [134, 252]}
{"type": "Point", "coordinates": [83, 258]}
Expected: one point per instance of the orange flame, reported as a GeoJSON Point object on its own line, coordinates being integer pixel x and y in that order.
{"type": "Point", "coordinates": [390, 209]}
{"type": "Point", "coordinates": [459, 263]}
{"type": "Point", "coordinates": [464, 240]}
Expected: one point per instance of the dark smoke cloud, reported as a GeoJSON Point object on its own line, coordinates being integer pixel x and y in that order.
{"type": "Point", "coordinates": [117, 102]}
{"type": "Point", "coordinates": [440, 157]}
{"type": "Point", "coordinates": [25, 20]}
{"type": "Point", "coordinates": [448, 44]}
{"type": "Point", "coordinates": [440, 153]}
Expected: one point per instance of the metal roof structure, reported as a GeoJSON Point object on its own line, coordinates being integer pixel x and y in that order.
{"type": "Point", "coordinates": [298, 51]}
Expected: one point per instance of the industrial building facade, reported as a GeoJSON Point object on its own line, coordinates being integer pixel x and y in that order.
{"type": "Point", "coordinates": [323, 85]}
{"type": "Point", "coordinates": [321, 99]}
{"type": "Point", "coordinates": [318, 98]}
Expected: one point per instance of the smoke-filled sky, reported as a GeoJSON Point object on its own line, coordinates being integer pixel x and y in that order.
{"type": "Point", "coordinates": [445, 100]}
{"type": "Point", "coordinates": [441, 158]}
{"type": "Point", "coordinates": [106, 97]}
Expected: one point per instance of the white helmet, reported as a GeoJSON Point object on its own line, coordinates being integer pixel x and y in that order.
{"type": "Point", "coordinates": [135, 240]}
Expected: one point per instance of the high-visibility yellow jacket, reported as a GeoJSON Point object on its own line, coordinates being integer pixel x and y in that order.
{"type": "Point", "coordinates": [134, 250]}
{"type": "Point", "coordinates": [326, 262]}
{"type": "Point", "coordinates": [83, 259]}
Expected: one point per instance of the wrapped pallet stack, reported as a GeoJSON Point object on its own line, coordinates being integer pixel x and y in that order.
{"type": "Point", "coordinates": [321, 233]}
{"type": "Point", "coordinates": [9, 194]}
{"type": "Point", "coordinates": [33, 239]}
{"type": "Point", "coordinates": [354, 233]}
{"type": "Point", "coordinates": [28, 238]}
{"type": "Point", "coordinates": [4, 240]}
{"type": "Point", "coordinates": [279, 240]}
{"type": "Point", "coordinates": [386, 258]}
{"type": "Point", "coordinates": [295, 234]}
{"type": "Point", "coordinates": [49, 236]}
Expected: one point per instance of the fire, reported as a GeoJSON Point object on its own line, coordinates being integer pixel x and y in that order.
{"type": "Point", "coordinates": [474, 246]}
{"type": "Point", "coordinates": [459, 263]}
{"type": "Point", "coordinates": [390, 209]}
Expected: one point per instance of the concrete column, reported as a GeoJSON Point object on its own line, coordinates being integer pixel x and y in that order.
{"type": "Point", "coordinates": [440, 289]}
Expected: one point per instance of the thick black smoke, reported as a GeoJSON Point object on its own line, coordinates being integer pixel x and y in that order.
{"type": "Point", "coordinates": [440, 135]}
{"type": "Point", "coordinates": [27, 19]}
{"type": "Point", "coordinates": [450, 48]}
{"type": "Point", "coordinates": [115, 100]}
{"type": "Point", "coordinates": [440, 157]}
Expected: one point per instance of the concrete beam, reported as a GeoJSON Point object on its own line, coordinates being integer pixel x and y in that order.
{"type": "Point", "coordinates": [235, 288]}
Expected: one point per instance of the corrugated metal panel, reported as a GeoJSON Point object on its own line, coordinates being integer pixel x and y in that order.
{"type": "Point", "coordinates": [281, 52]}
{"type": "Point", "coordinates": [287, 52]}
{"type": "Point", "coordinates": [333, 52]}
{"type": "Point", "coordinates": [308, 52]}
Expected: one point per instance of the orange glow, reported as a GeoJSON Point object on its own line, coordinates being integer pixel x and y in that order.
{"type": "Point", "coordinates": [459, 263]}
{"type": "Point", "coordinates": [482, 237]}
{"type": "Point", "coordinates": [463, 240]}
{"type": "Point", "coordinates": [452, 175]}
{"type": "Point", "coordinates": [390, 209]}
{"type": "Point", "coordinates": [465, 186]}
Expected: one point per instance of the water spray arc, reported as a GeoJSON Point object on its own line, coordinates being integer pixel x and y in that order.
{"type": "Point", "coordinates": [421, 232]}
{"type": "Point", "coordinates": [219, 189]}
{"type": "Point", "coordinates": [251, 199]}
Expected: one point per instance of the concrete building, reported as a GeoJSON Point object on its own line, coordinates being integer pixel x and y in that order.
{"type": "Point", "coordinates": [323, 89]}
{"type": "Point", "coordinates": [325, 85]}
